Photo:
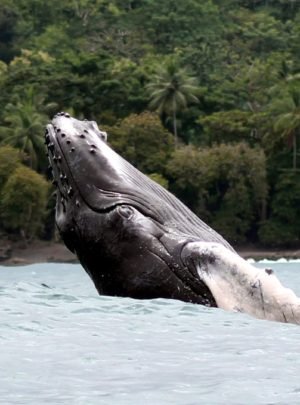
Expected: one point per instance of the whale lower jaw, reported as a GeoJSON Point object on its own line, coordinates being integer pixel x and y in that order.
{"type": "Point", "coordinates": [236, 285]}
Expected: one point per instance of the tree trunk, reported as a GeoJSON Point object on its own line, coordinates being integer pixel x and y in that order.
{"type": "Point", "coordinates": [175, 127]}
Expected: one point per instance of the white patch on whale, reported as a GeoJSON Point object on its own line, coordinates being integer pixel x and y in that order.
{"type": "Point", "coordinates": [238, 286]}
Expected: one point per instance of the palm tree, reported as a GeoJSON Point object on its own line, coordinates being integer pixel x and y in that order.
{"type": "Point", "coordinates": [171, 90]}
{"type": "Point", "coordinates": [25, 127]}
{"type": "Point", "coordinates": [287, 122]}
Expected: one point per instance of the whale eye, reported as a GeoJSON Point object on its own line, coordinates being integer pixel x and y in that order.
{"type": "Point", "coordinates": [125, 211]}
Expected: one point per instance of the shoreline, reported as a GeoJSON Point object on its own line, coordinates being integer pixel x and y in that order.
{"type": "Point", "coordinates": [21, 254]}
{"type": "Point", "coordinates": [38, 251]}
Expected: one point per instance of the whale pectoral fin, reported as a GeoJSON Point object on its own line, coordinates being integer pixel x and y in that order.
{"type": "Point", "coordinates": [198, 254]}
{"type": "Point", "coordinates": [236, 285]}
{"type": "Point", "coordinates": [203, 258]}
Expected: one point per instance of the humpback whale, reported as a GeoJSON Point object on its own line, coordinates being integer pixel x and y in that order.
{"type": "Point", "coordinates": [135, 239]}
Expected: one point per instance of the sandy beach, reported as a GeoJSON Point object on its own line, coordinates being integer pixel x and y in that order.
{"type": "Point", "coordinates": [20, 253]}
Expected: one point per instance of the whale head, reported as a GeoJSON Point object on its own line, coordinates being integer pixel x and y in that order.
{"type": "Point", "coordinates": [126, 230]}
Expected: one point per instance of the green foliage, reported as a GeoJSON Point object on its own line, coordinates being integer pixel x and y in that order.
{"type": "Point", "coordinates": [287, 121]}
{"type": "Point", "coordinates": [143, 141]}
{"type": "Point", "coordinates": [168, 24]}
{"type": "Point", "coordinates": [10, 159]}
{"type": "Point", "coordinates": [23, 202]}
{"type": "Point", "coordinates": [8, 19]}
{"type": "Point", "coordinates": [158, 178]}
{"type": "Point", "coordinates": [260, 31]}
{"type": "Point", "coordinates": [283, 225]}
{"type": "Point", "coordinates": [171, 90]}
{"type": "Point", "coordinates": [24, 127]}
{"type": "Point", "coordinates": [226, 185]}
{"type": "Point", "coordinates": [230, 126]}
{"type": "Point", "coordinates": [228, 73]}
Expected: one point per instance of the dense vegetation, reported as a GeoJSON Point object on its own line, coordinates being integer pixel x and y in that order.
{"type": "Point", "coordinates": [203, 96]}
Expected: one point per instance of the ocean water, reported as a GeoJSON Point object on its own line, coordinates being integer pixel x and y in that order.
{"type": "Point", "coordinates": [61, 343]}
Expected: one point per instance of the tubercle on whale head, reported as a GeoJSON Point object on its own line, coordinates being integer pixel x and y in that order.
{"type": "Point", "coordinates": [74, 146]}
{"type": "Point", "coordinates": [65, 126]}
{"type": "Point", "coordinates": [69, 142]}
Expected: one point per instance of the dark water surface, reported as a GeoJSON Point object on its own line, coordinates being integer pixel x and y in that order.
{"type": "Point", "coordinates": [60, 343]}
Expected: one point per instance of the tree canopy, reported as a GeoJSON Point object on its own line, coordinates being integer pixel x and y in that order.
{"type": "Point", "coordinates": [223, 76]}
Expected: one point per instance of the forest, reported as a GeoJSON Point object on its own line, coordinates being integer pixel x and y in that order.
{"type": "Point", "coordinates": [201, 95]}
